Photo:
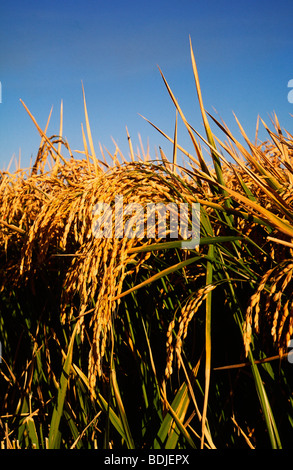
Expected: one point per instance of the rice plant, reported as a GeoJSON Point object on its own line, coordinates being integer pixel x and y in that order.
{"type": "Point", "coordinates": [133, 342]}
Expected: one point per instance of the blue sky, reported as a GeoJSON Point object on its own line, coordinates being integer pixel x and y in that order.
{"type": "Point", "coordinates": [243, 49]}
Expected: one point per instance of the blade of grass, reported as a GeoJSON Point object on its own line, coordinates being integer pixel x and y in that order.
{"type": "Point", "coordinates": [58, 409]}
{"type": "Point", "coordinates": [188, 127]}
{"type": "Point", "coordinates": [265, 405]}
{"type": "Point", "coordinates": [130, 146]}
{"type": "Point", "coordinates": [172, 141]}
{"type": "Point", "coordinates": [157, 276]}
{"type": "Point", "coordinates": [208, 343]}
{"type": "Point", "coordinates": [32, 432]}
{"type": "Point", "coordinates": [85, 146]}
{"type": "Point", "coordinates": [27, 431]}
{"type": "Point", "coordinates": [89, 134]}
{"type": "Point", "coordinates": [115, 420]}
{"type": "Point", "coordinates": [61, 127]}
{"type": "Point", "coordinates": [122, 413]}
{"type": "Point", "coordinates": [168, 435]}
{"type": "Point", "coordinates": [272, 218]}
{"type": "Point", "coordinates": [191, 392]}
{"type": "Point", "coordinates": [178, 244]}
{"type": "Point", "coordinates": [174, 159]}
{"type": "Point", "coordinates": [84, 430]}
{"type": "Point", "coordinates": [216, 160]}
{"type": "Point", "coordinates": [176, 412]}
{"type": "Point", "coordinates": [42, 134]}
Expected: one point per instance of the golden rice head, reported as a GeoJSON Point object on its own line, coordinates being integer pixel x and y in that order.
{"type": "Point", "coordinates": [272, 305]}
{"type": "Point", "coordinates": [137, 184]}
{"type": "Point", "coordinates": [99, 268]}
{"type": "Point", "coordinates": [21, 200]}
{"type": "Point", "coordinates": [187, 313]}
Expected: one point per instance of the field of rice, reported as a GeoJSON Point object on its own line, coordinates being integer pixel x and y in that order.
{"type": "Point", "coordinates": [136, 343]}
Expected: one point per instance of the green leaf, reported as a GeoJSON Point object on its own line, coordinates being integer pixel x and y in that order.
{"type": "Point", "coordinates": [103, 404]}
{"type": "Point", "coordinates": [265, 405]}
{"type": "Point", "coordinates": [172, 424]}
{"type": "Point", "coordinates": [58, 409]}
{"type": "Point", "coordinates": [162, 273]}
{"type": "Point", "coordinates": [123, 416]}
{"type": "Point", "coordinates": [208, 342]}
{"type": "Point", "coordinates": [32, 432]}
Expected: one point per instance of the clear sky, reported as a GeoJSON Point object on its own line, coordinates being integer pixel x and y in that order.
{"type": "Point", "coordinates": [243, 49]}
